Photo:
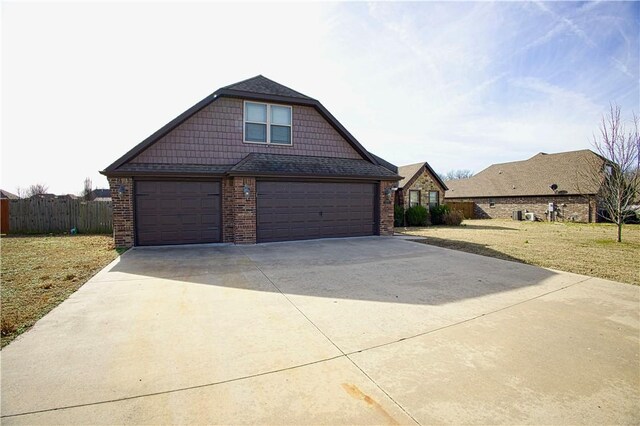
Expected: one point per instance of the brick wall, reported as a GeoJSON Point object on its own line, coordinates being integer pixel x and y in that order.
{"type": "Point", "coordinates": [385, 205]}
{"type": "Point", "coordinates": [244, 211]}
{"type": "Point", "coordinates": [569, 207]}
{"type": "Point", "coordinates": [214, 136]}
{"type": "Point", "coordinates": [228, 215]}
{"type": "Point", "coordinates": [123, 233]}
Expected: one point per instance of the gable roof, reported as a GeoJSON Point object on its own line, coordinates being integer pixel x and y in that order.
{"type": "Point", "coordinates": [7, 194]}
{"type": "Point", "coordinates": [531, 177]}
{"type": "Point", "coordinates": [262, 85]}
{"type": "Point", "coordinates": [256, 88]}
{"type": "Point", "coordinates": [410, 172]}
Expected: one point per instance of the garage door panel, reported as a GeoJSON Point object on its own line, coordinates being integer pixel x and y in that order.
{"type": "Point", "coordinates": [303, 210]}
{"type": "Point", "coordinates": [177, 212]}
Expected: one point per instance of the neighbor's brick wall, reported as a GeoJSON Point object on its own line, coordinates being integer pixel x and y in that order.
{"type": "Point", "coordinates": [570, 208]}
{"type": "Point", "coordinates": [228, 214]}
{"type": "Point", "coordinates": [214, 136]}
{"type": "Point", "coordinates": [123, 233]}
{"type": "Point", "coordinates": [386, 208]}
{"type": "Point", "coordinates": [244, 211]}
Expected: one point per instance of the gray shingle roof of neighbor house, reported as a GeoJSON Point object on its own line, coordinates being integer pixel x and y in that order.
{"type": "Point", "coordinates": [257, 164]}
{"type": "Point", "coordinates": [8, 195]}
{"type": "Point", "coordinates": [533, 177]}
{"type": "Point", "coordinates": [256, 88]}
{"type": "Point", "coordinates": [409, 171]}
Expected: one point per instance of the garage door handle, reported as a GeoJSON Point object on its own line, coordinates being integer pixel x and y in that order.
{"type": "Point", "coordinates": [321, 213]}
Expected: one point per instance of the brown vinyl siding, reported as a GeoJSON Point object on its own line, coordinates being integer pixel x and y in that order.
{"type": "Point", "coordinates": [213, 136]}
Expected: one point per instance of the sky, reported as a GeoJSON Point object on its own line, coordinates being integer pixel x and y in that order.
{"type": "Point", "coordinates": [461, 85]}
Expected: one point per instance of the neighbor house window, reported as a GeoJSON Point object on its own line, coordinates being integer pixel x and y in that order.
{"type": "Point", "coordinates": [434, 198]}
{"type": "Point", "coordinates": [266, 123]}
{"type": "Point", "coordinates": [414, 198]}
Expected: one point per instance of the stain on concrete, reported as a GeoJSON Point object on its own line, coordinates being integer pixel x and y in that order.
{"type": "Point", "coordinates": [356, 393]}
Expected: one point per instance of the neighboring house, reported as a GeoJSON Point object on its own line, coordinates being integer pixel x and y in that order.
{"type": "Point", "coordinates": [253, 162]}
{"type": "Point", "coordinates": [100, 195]}
{"type": "Point", "coordinates": [420, 185]}
{"type": "Point", "coordinates": [6, 195]}
{"type": "Point", "coordinates": [45, 196]}
{"type": "Point", "coordinates": [551, 186]}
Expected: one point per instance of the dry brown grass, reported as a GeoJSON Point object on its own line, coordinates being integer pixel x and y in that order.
{"type": "Point", "coordinates": [39, 272]}
{"type": "Point", "coordinates": [588, 249]}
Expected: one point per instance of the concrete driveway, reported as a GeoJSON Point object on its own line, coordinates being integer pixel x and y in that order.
{"type": "Point", "coordinates": [353, 331]}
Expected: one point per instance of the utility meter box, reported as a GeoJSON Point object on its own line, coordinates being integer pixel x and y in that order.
{"type": "Point", "coordinates": [551, 207]}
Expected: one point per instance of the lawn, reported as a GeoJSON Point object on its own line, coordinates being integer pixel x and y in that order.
{"type": "Point", "coordinates": [39, 272]}
{"type": "Point", "coordinates": [588, 249]}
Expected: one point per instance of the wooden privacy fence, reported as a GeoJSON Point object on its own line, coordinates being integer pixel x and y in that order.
{"type": "Point", "coordinates": [464, 207]}
{"type": "Point", "coordinates": [41, 215]}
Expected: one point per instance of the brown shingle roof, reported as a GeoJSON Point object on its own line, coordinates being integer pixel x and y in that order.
{"type": "Point", "coordinates": [261, 84]}
{"type": "Point", "coordinates": [409, 171]}
{"type": "Point", "coordinates": [531, 177]}
{"type": "Point", "coordinates": [301, 165]}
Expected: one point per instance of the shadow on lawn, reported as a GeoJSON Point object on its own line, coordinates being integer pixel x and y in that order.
{"type": "Point", "coordinates": [467, 247]}
{"type": "Point", "coordinates": [368, 269]}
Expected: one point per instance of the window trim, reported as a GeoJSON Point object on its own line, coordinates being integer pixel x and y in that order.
{"type": "Point", "coordinates": [419, 197]}
{"type": "Point", "coordinates": [267, 123]}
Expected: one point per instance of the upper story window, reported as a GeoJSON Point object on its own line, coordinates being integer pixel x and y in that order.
{"type": "Point", "coordinates": [267, 123]}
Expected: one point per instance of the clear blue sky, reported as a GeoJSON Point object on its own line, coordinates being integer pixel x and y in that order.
{"type": "Point", "coordinates": [460, 85]}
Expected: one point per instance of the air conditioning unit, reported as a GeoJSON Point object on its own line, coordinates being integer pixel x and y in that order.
{"type": "Point", "coordinates": [530, 216]}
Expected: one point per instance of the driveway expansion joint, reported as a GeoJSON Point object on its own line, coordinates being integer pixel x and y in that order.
{"type": "Point", "coordinates": [333, 343]}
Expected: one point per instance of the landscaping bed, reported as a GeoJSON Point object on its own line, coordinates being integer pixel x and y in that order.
{"type": "Point", "coordinates": [581, 248]}
{"type": "Point", "coordinates": [39, 272]}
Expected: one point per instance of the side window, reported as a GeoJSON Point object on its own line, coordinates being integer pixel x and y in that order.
{"type": "Point", "coordinates": [414, 198]}
{"type": "Point", "coordinates": [266, 123]}
{"type": "Point", "coordinates": [434, 198]}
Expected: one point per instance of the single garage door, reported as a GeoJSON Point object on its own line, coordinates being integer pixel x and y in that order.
{"type": "Point", "coordinates": [177, 212]}
{"type": "Point", "coordinates": [306, 210]}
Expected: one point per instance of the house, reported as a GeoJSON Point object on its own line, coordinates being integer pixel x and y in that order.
{"type": "Point", "coordinates": [254, 161]}
{"type": "Point", "coordinates": [100, 195]}
{"type": "Point", "coordinates": [6, 195]}
{"type": "Point", "coordinates": [551, 186]}
{"type": "Point", "coordinates": [420, 185]}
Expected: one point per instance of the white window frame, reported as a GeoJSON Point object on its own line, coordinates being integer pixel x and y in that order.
{"type": "Point", "coordinates": [268, 123]}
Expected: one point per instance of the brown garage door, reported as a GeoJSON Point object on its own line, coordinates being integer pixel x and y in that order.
{"type": "Point", "coordinates": [306, 210]}
{"type": "Point", "coordinates": [177, 212]}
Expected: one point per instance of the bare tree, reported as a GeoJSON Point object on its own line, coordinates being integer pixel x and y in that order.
{"type": "Point", "coordinates": [617, 176]}
{"type": "Point", "coordinates": [86, 191]}
{"type": "Point", "coordinates": [458, 174]}
{"type": "Point", "coordinates": [36, 189]}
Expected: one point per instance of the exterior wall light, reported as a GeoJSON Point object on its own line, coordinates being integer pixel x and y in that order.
{"type": "Point", "coordinates": [246, 190]}
{"type": "Point", "coordinates": [121, 190]}
{"type": "Point", "coordinates": [387, 193]}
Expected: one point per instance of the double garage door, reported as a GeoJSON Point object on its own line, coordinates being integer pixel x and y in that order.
{"type": "Point", "coordinates": [187, 212]}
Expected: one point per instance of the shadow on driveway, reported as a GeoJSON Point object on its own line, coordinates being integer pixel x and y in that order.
{"type": "Point", "coordinates": [379, 269]}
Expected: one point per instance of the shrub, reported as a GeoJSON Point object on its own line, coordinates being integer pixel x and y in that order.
{"type": "Point", "coordinates": [398, 215]}
{"type": "Point", "coordinates": [453, 218]}
{"type": "Point", "coordinates": [417, 216]}
{"type": "Point", "coordinates": [437, 213]}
